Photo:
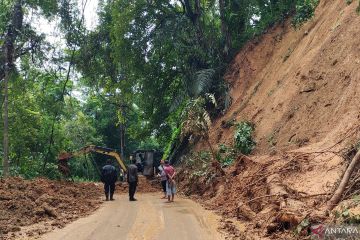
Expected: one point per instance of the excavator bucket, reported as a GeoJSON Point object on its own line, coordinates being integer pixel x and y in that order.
{"type": "Point", "coordinates": [64, 156]}
{"type": "Point", "coordinates": [63, 165]}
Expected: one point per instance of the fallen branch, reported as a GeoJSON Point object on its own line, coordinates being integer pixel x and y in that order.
{"type": "Point", "coordinates": [344, 181]}
{"type": "Point", "coordinates": [314, 195]}
{"type": "Point", "coordinates": [260, 197]}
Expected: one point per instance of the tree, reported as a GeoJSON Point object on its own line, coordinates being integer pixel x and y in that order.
{"type": "Point", "coordinates": [196, 123]}
{"type": "Point", "coordinates": [224, 29]}
{"type": "Point", "coordinates": [12, 33]}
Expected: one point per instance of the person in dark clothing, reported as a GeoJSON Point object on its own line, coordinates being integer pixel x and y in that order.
{"type": "Point", "coordinates": [132, 179]}
{"type": "Point", "coordinates": [140, 164]}
{"type": "Point", "coordinates": [109, 177]}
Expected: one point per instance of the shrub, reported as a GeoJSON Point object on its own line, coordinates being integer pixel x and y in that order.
{"type": "Point", "coordinates": [305, 10]}
{"type": "Point", "coordinates": [243, 137]}
{"type": "Point", "coordinates": [174, 138]}
{"type": "Point", "coordinates": [226, 155]}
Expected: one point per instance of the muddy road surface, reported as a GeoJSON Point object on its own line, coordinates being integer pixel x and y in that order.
{"type": "Point", "coordinates": [149, 218]}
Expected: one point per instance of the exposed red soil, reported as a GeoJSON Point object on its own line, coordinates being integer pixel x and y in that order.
{"type": "Point", "coordinates": [267, 199]}
{"type": "Point", "coordinates": [301, 89]}
{"type": "Point", "coordinates": [26, 202]}
{"type": "Point", "coordinates": [144, 185]}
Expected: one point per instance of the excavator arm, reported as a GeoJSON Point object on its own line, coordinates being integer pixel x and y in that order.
{"type": "Point", "coordinates": [64, 157]}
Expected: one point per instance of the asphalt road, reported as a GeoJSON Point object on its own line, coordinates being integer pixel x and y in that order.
{"type": "Point", "coordinates": [149, 218]}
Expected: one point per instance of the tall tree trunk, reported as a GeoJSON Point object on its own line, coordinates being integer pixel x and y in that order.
{"type": "Point", "coordinates": [12, 32]}
{"type": "Point", "coordinates": [194, 13]}
{"type": "Point", "coordinates": [6, 123]}
{"type": "Point", "coordinates": [122, 132]}
{"type": "Point", "coordinates": [224, 30]}
{"type": "Point", "coordinates": [122, 140]}
{"type": "Point", "coordinates": [197, 23]}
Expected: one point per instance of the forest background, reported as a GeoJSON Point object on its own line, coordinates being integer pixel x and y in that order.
{"type": "Point", "coordinates": [126, 83]}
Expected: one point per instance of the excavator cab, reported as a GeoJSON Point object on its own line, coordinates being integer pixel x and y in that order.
{"type": "Point", "coordinates": [147, 161]}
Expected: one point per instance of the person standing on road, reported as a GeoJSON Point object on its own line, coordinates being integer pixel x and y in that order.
{"type": "Point", "coordinates": [109, 177]}
{"type": "Point", "coordinates": [132, 179]}
{"type": "Point", "coordinates": [170, 183]}
{"type": "Point", "coordinates": [163, 177]}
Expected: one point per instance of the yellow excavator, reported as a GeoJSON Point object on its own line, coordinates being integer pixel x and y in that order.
{"type": "Point", "coordinates": [64, 157]}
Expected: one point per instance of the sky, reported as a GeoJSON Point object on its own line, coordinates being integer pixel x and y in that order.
{"type": "Point", "coordinates": [56, 38]}
{"type": "Point", "coordinates": [91, 18]}
{"type": "Point", "coordinates": [50, 29]}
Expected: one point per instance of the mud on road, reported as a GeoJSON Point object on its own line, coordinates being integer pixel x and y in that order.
{"type": "Point", "coordinates": [30, 208]}
{"type": "Point", "coordinates": [26, 202]}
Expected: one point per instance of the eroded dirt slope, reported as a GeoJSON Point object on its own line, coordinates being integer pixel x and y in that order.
{"type": "Point", "coordinates": [301, 87]}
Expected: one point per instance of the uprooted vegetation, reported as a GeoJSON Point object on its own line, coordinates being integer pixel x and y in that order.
{"type": "Point", "coordinates": [274, 196]}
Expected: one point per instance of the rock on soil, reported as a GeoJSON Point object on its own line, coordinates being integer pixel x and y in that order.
{"type": "Point", "coordinates": [27, 202]}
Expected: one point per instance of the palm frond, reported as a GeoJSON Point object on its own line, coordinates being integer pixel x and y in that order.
{"type": "Point", "coordinates": [177, 101]}
{"type": "Point", "coordinates": [200, 82]}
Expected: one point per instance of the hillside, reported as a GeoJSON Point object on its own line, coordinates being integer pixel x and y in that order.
{"type": "Point", "coordinates": [301, 90]}
{"type": "Point", "coordinates": [149, 81]}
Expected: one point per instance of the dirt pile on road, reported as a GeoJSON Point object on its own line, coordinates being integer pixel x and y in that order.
{"type": "Point", "coordinates": [144, 185]}
{"type": "Point", "coordinates": [26, 202]}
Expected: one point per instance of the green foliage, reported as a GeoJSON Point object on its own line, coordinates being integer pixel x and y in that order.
{"type": "Point", "coordinates": [156, 55]}
{"type": "Point", "coordinates": [200, 162]}
{"type": "Point", "coordinates": [305, 10]}
{"type": "Point", "coordinates": [243, 137]}
{"type": "Point", "coordinates": [345, 215]}
{"type": "Point", "coordinates": [358, 8]}
{"type": "Point", "coordinates": [174, 138]}
{"type": "Point", "coordinates": [304, 224]}
{"type": "Point", "coordinates": [148, 66]}
{"type": "Point", "coordinates": [80, 132]}
{"type": "Point", "coordinates": [43, 118]}
{"type": "Point", "coordinates": [226, 155]}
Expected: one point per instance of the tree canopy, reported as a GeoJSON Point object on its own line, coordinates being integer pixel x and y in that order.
{"type": "Point", "coordinates": [135, 72]}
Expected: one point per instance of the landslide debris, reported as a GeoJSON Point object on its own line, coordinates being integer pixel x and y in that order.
{"type": "Point", "coordinates": [144, 186]}
{"type": "Point", "coordinates": [258, 196]}
{"type": "Point", "coordinates": [28, 202]}
{"type": "Point", "coordinates": [300, 88]}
